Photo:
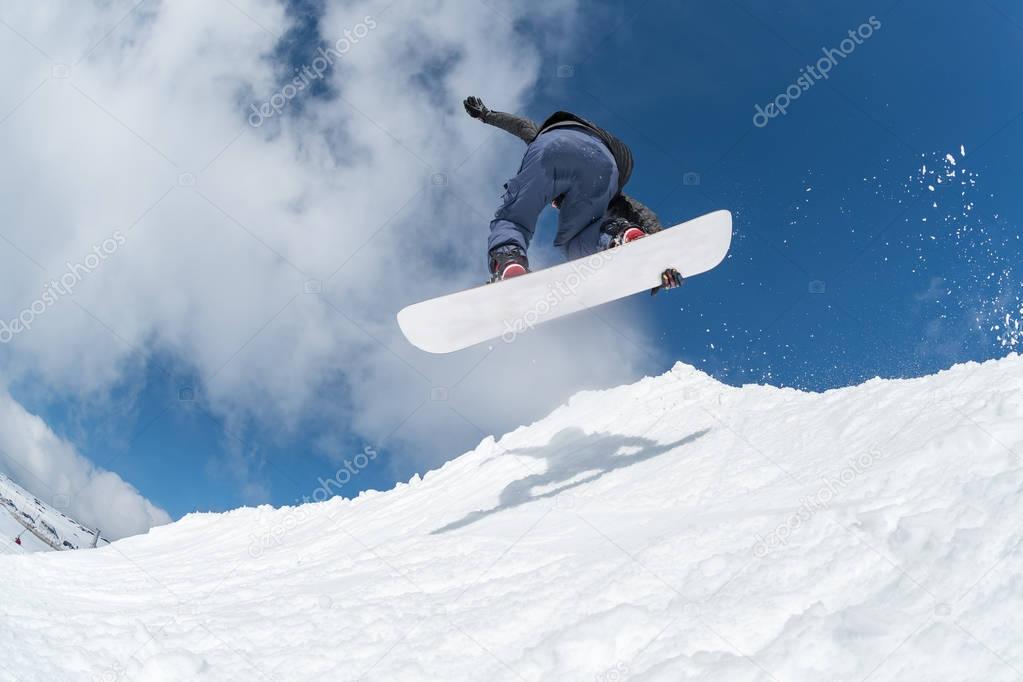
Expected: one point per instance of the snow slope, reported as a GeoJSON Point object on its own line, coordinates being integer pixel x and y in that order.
{"type": "Point", "coordinates": [41, 527]}
{"type": "Point", "coordinates": [675, 529]}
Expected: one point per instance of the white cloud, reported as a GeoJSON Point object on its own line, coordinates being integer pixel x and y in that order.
{"type": "Point", "coordinates": [55, 472]}
{"type": "Point", "coordinates": [213, 274]}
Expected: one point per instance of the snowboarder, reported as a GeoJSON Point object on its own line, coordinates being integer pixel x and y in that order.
{"type": "Point", "coordinates": [581, 170]}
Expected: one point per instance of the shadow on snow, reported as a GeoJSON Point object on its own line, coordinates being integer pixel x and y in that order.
{"type": "Point", "coordinates": [570, 454]}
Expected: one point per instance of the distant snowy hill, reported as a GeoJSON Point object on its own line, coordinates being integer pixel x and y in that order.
{"type": "Point", "coordinates": [40, 527]}
{"type": "Point", "coordinates": [674, 529]}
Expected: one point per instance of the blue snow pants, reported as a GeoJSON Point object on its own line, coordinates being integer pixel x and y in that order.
{"type": "Point", "coordinates": [566, 162]}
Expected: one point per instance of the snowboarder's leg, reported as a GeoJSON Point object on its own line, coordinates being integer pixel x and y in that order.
{"type": "Point", "coordinates": [594, 183]}
{"type": "Point", "coordinates": [525, 196]}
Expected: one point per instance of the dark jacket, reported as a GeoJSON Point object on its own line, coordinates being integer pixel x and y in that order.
{"type": "Point", "coordinates": [622, 205]}
{"type": "Point", "coordinates": [619, 150]}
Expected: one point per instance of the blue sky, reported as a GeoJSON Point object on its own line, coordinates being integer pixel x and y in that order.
{"type": "Point", "coordinates": [824, 193]}
{"type": "Point", "coordinates": [845, 265]}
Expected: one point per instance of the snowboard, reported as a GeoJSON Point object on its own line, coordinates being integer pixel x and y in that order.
{"type": "Point", "coordinates": [511, 307]}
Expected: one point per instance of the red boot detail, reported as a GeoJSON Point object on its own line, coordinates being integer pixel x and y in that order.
{"type": "Point", "coordinates": [513, 270]}
{"type": "Point", "coordinates": [632, 234]}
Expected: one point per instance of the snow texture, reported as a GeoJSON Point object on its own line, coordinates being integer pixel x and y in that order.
{"type": "Point", "coordinates": [674, 529]}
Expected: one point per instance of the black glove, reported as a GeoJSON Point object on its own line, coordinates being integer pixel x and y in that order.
{"type": "Point", "coordinates": [670, 279]}
{"type": "Point", "coordinates": [474, 107]}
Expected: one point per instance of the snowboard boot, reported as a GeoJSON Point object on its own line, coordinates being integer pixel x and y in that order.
{"type": "Point", "coordinates": [617, 231]}
{"type": "Point", "coordinates": [506, 262]}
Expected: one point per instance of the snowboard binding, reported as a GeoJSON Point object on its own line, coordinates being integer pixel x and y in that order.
{"type": "Point", "coordinates": [615, 232]}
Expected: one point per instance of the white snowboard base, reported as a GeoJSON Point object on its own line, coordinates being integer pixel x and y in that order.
{"type": "Point", "coordinates": [506, 309]}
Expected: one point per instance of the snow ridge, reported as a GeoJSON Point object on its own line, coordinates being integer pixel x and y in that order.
{"type": "Point", "coordinates": [673, 529]}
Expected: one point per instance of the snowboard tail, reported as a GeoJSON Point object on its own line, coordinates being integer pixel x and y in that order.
{"type": "Point", "coordinates": [508, 308]}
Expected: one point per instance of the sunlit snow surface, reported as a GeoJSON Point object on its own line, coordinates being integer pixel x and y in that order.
{"type": "Point", "coordinates": [674, 529]}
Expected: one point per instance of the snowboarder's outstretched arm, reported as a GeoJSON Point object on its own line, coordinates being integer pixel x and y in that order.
{"type": "Point", "coordinates": [624, 206]}
{"type": "Point", "coordinates": [520, 127]}
{"type": "Point", "coordinates": [621, 206]}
